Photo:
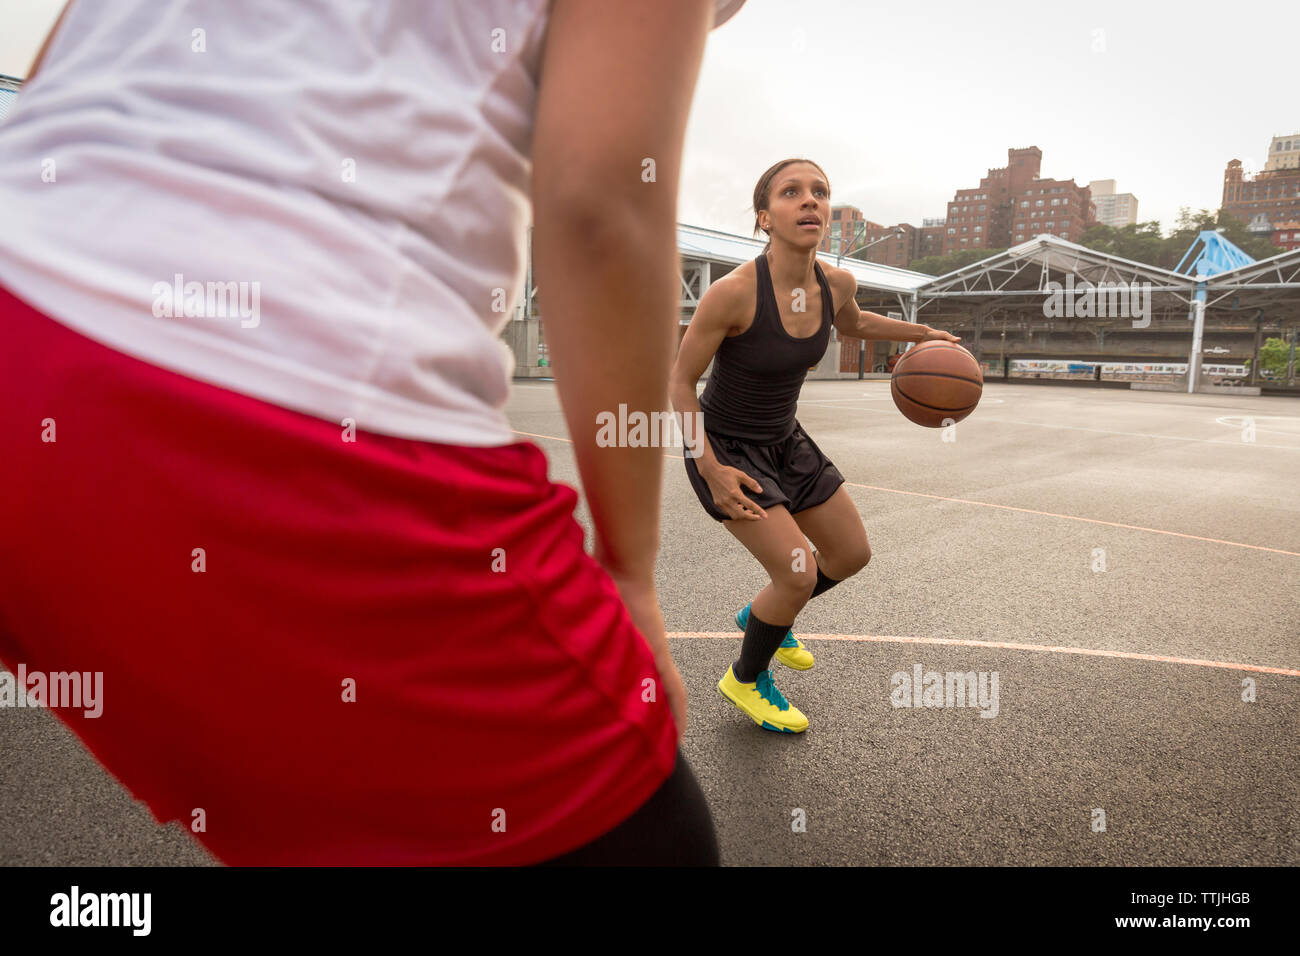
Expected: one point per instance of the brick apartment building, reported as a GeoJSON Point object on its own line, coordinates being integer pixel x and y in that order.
{"type": "Point", "coordinates": [1057, 206]}
{"type": "Point", "coordinates": [1287, 235]}
{"type": "Point", "coordinates": [980, 218]}
{"type": "Point", "coordinates": [852, 231]}
{"type": "Point", "coordinates": [1012, 205]}
{"type": "Point", "coordinates": [929, 238]}
{"type": "Point", "coordinates": [890, 248]}
{"type": "Point", "coordinates": [1269, 197]}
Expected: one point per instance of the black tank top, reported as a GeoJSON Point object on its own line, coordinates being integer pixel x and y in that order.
{"type": "Point", "coordinates": [754, 388]}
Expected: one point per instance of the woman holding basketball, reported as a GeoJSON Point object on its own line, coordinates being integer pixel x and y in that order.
{"type": "Point", "coordinates": [764, 325]}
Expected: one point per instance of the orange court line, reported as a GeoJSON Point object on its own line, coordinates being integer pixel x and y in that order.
{"type": "Point", "coordinates": [1006, 645]}
{"type": "Point", "coordinates": [1047, 514]}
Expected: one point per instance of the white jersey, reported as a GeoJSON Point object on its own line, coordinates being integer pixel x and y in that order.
{"type": "Point", "coordinates": [322, 205]}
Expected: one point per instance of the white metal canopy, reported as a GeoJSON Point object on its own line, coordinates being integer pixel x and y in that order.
{"type": "Point", "coordinates": [693, 241]}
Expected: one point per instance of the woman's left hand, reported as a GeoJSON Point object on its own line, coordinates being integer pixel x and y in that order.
{"type": "Point", "coordinates": [939, 335]}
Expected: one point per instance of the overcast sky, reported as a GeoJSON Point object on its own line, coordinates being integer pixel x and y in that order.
{"type": "Point", "coordinates": [904, 102]}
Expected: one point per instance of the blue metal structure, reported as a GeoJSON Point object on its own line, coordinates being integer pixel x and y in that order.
{"type": "Point", "coordinates": [1214, 255]}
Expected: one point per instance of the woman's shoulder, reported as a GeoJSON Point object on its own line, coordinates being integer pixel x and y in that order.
{"type": "Point", "coordinates": [843, 283]}
{"type": "Point", "coordinates": [744, 274]}
{"type": "Point", "coordinates": [836, 277]}
{"type": "Point", "coordinates": [734, 297]}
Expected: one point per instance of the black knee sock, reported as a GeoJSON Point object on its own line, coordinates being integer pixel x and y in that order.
{"type": "Point", "coordinates": [761, 641]}
{"type": "Point", "coordinates": [823, 582]}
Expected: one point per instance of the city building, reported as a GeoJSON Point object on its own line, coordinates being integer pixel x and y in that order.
{"type": "Point", "coordinates": [1287, 235]}
{"type": "Point", "coordinates": [1056, 206]}
{"type": "Point", "coordinates": [852, 233]}
{"type": "Point", "coordinates": [1012, 204]}
{"type": "Point", "coordinates": [1113, 209]}
{"type": "Point", "coordinates": [930, 237]}
{"type": "Point", "coordinates": [1284, 152]}
{"type": "Point", "coordinates": [1260, 226]}
{"type": "Point", "coordinates": [889, 245]}
{"type": "Point", "coordinates": [846, 222]}
{"type": "Point", "coordinates": [980, 218]}
{"type": "Point", "coordinates": [1270, 196]}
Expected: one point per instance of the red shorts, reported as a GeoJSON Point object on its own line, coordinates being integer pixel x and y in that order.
{"type": "Point", "coordinates": [496, 712]}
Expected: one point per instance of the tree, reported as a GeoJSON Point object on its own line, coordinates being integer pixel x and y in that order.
{"type": "Point", "coordinates": [1257, 247]}
{"type": "Point", "coordinates": [1190, 225]}
{"type": "Point", "coordinates": [1137, 243]}
{"type": "Point", "coordinates": [941, 265]}
{"type": "Point", "coordinates": [1273, 355]}
{"type": "Point", "coordinates": [1144, 243]}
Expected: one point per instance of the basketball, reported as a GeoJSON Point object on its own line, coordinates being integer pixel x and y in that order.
{"type": "Point", "coordinates": [936, 383]}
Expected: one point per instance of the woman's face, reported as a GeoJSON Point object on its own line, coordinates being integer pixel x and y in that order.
{"type": "Point", "coordinates": [798, 206]}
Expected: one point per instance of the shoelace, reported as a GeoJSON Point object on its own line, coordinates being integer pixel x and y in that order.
{"type": "Point", "coordinates": [768, 691]}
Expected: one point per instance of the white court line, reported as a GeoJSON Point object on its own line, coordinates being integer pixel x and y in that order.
{"type": "Point", "coordinates": [1007, 645]}
{"type": "Point", "coordinates": [1227, 421]}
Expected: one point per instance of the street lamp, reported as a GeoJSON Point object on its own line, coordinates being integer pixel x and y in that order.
{"type": "Point", "coordinates": [839, 259]}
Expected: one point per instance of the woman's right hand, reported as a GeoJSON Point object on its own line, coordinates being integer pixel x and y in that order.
{"type": "Point", "coordinates": [727, 483]}
{"type": "Point", "coordinates": [642, 603]}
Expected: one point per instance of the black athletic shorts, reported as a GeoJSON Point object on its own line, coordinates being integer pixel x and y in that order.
{"type": "Point", "coordinates": [793, 473]}
{"type": "Point", "coordinates": [673, 828]}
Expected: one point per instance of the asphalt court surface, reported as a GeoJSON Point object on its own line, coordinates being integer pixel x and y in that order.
{"type": "Point", "coordinates": [1119, 690]}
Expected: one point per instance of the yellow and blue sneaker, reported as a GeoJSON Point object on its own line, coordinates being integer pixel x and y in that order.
{"type": "Point", "coordinates": [792, 653]}
{"type": "Point", "coordinates": [765, 705]}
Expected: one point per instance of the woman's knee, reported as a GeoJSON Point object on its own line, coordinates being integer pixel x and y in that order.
{"type": "Point", "coordinates": [861, 557]}
{"type": "Point", "coordinates": [845, 563]}
{"type": "Point", "coordinates": [795, 585]}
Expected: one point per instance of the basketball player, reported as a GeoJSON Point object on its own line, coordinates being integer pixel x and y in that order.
{"type": "Point", "coordinates": [254, 266]}
{"type": "Point", "coordinates": [764, 325]}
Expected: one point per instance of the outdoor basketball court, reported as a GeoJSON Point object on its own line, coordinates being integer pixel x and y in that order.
{"type": "Point", "coordinates": [1125, 563]}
